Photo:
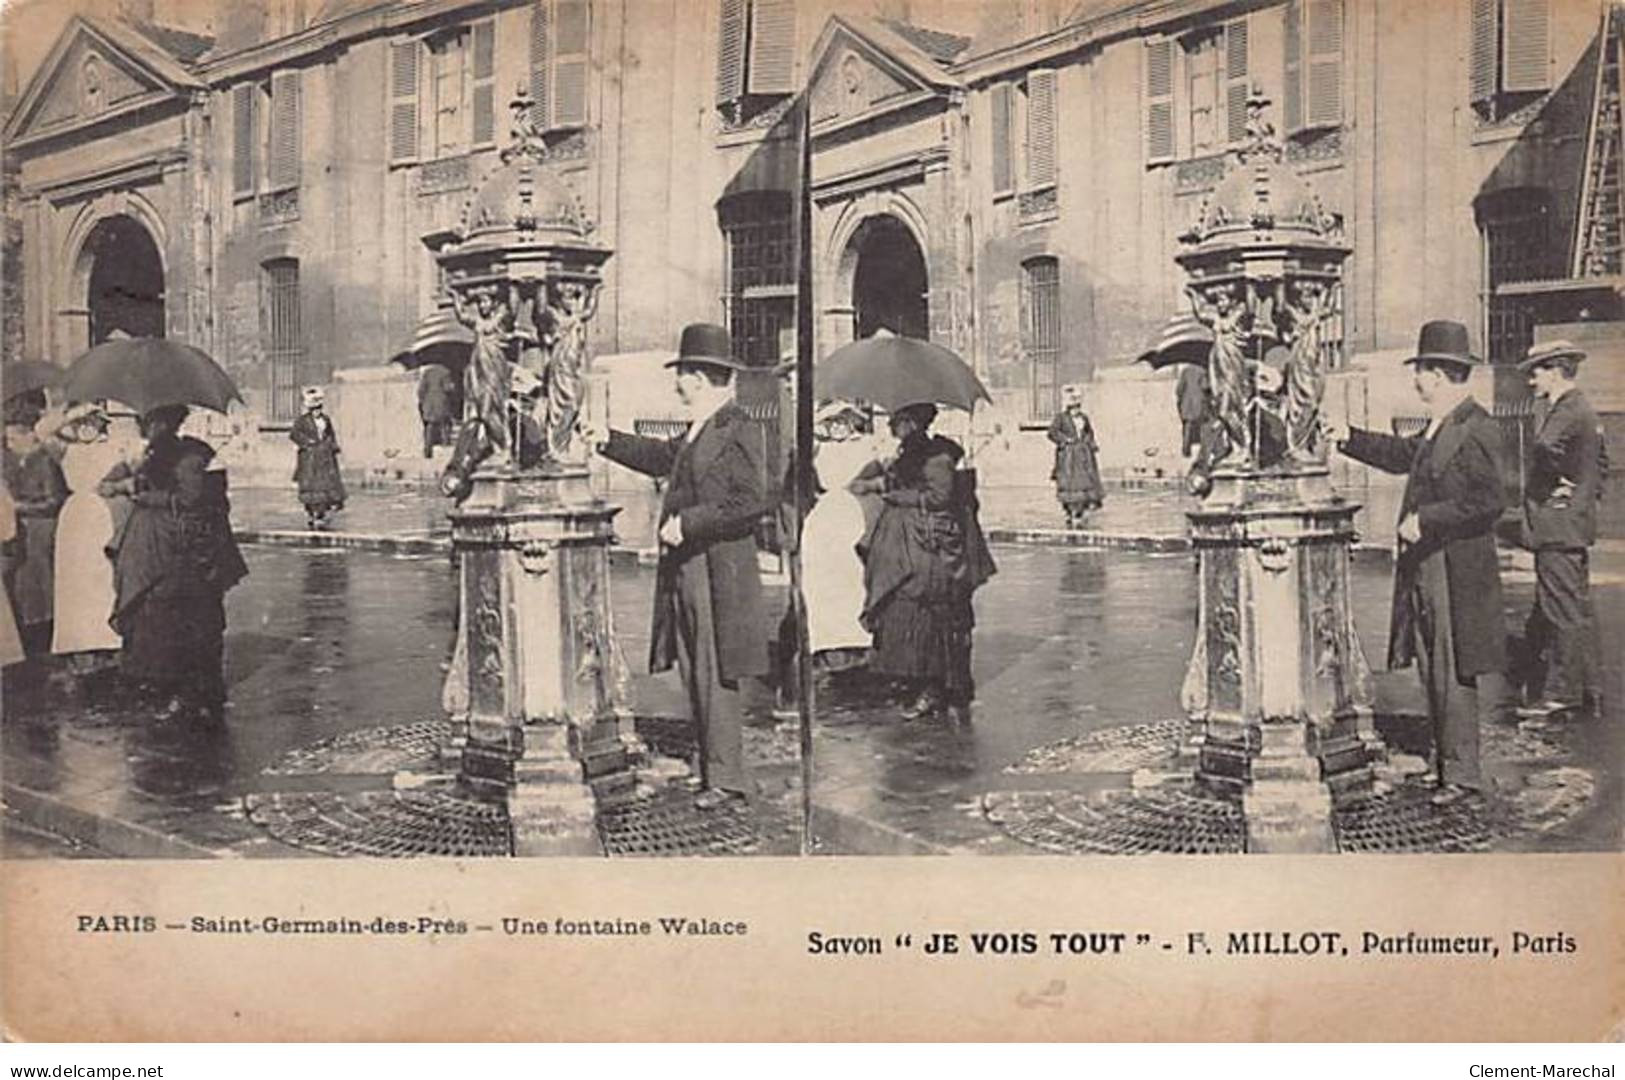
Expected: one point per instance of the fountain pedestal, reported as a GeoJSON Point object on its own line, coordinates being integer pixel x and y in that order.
{"type": "Point", "coordinates": [1278, 688]}
{"type": "Point", "coordinates": [533, 689]}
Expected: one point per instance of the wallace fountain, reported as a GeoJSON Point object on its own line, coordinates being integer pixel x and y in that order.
{"type": "Point", "coordinates": [1278, 690]}
{"type": "Point", "coordinates": [532, 690]}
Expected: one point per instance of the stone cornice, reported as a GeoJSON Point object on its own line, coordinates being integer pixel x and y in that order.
{"type": "Point", "coordinates": [1127, 20]}
{"type": "Point", "coordinates": [103, 177]}
{"type": "Point", "coordinates": [896, 169]}
{"type": "Point", "coordinates": [286, 51]}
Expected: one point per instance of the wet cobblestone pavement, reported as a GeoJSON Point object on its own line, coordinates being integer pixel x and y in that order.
{"type": "Point", "coordinates": [335, 660]}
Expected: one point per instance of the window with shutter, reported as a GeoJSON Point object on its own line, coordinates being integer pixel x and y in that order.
{"type": "Point", "coordinates": [403, 102]}
{"type": "Point", "coordinates": [1292, 66]}
{"type": "Point", "coordinates": [571, 40]}
{"type": "Point", "coordinates": [1041, 126]}
{"type": "Point", "coordinates": [1482, 61]}
{"type": "Point", "coordinates": [484, 83]}
{"type": "Point", "coordinates": [1235, 80]}
{"type": "Point", "coordinates": [541, 78]}
{"type": "Point", "coordinates": [448, 124]}
{"type": "Point", "coordinates": [1204, 94]}
{"type": "Point", "coordinates": [1001, 104]}
{"type": "Point", "coordinates": [735, 15]}
{"type": "Point", "coordinates": [1325, 90]}
{"type": "Point", "coordinates": [771, 64]}
{"type": "Point", "coordinates": [243, 158]}
{"type": "Point", "coordinates": [284, 139]}
{"type": "Point", "coordinates": [1159, 101]}
{"type": "Point", "coordinates": [1526, 45]}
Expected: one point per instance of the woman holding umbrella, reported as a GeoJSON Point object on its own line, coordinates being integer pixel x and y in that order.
{"type": "Point", "coordinates": [923, 559]}
{"type": "Point", "coordinates": [174, 560]}
{"type": "Point", "coordinates": [174, 556]}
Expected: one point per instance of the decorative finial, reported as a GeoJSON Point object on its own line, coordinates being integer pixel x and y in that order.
{"type": "Point", "coordinates": [1261, 137]}
{"type": "Point", "coordinates": [524, 137]}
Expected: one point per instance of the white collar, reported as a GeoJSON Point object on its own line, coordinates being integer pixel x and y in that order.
{"type": "Point", "coordinates": [701, 418]}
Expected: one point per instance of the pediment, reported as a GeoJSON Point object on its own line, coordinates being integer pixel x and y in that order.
{"type": "Point", "coordinates": [853, 74]}
{"type": "Point", "coordinates": [88, 76]}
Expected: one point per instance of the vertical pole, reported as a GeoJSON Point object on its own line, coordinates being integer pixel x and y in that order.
{"type": "Point", "coordinates": [803, 462]}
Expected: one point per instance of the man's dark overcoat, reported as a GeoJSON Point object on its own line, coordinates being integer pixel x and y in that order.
{"type": "Point", "coordinates": [715, 487]}
{"type": "Point", "coordinates": [1455, 491]}
{"type": "Point", "coordinates": [1568, 446]}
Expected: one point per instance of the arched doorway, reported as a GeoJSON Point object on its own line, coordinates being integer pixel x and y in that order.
{"type": "Point", "coordinates": [125, 290]}
{"type": "Point", "coordinates": [890, 283]}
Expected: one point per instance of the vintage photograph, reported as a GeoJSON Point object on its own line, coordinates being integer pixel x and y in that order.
{"type": "Point", "coordinates": [492, 429]}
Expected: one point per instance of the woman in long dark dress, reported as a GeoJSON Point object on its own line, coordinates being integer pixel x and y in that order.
{"type": "Point", "coordinates": [923, 558]}
{"type": "Point", "coordinates": [35, 482]}
{"type": "Point", "coordinates": [173, 561]}
{"type": "Point", "coordinates": [321, 488]}
{"type": "Point", "coordinates": [1077, 472]}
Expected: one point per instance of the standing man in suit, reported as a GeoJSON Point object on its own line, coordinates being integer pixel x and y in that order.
{"type": "Point", "coordinates": [1563, 482]}
{"type": "Point", "coordinates": [1447, 583]}
{"type": "Point", "coordinates": [708, 592]}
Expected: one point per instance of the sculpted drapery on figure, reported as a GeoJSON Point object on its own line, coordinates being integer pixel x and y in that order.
{"type": "Point", "coordinates": [489, 371]}
{"type": "Point", "coordinates": [570, 307]}
{"type": "Point", "coordinates": [1305, 372]}
{"type": "Point", "coordinates": [1221, 310]}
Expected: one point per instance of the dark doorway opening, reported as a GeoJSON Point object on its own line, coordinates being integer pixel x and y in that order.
{"type": "Point", "coordinates": [126, 291]}
{"type": "Point", "coordinates": [890, 284]}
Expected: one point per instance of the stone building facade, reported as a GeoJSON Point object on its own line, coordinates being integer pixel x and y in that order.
{"type": "Point", "coordinates": [1010, 179]}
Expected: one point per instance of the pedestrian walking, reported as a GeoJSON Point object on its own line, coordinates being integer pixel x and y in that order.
{"type": "Point", "coordinates": [37, 488]}
{"type": "Point", "coordinates": [84, 635]}
{"type": "Point", "coordinates": [708, 614]}
{"type": "Point", "coordinates": [1446, 612]}
{"type": "Point", "coordinates": [1563, 483]}
{"type": "Point", "coordinates": [321, 488]}
{"type": "Point", "coordinates": [174, 560]}
{"type": "Point", "coordinates": [1077, 468]}
{"type": "Point", "coordinates": [923, 560]}
{"type": "Point", "coordinates": [439, 405]}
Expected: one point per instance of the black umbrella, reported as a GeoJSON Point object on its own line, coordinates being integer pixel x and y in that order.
{"type": "Point", "coordinates": [1184, 340]}
{"type": "Point", "coordinates": [893, 372]}
{"type": "Point", "coordinates": [439, 339]}
{"type": "Point", "coordinates": [28, 375]}
{"type": "Point", "coordinates": [145, 373]}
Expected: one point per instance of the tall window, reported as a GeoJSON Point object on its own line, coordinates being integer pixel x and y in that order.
{"type": "Point", "coordinates": [281, 335]}
{"type": "Point", "coordinates": [1313, 65]}
{"type": "Point", "coordinates": [1041, 333]}
{"type": "Point", "coordinates": [560, 42]}
{"type": "Point", "coordinates": [1211, 69]}
{"type": "Point", "coordinates": [1509, 55]}
{"type": "Point", "coordinates": [756, 56]}
{"type": "Point", "coordinates": [1515, 226]}
{"type": "Point", "coordinates": [267, 143]}
{"type": "Point", "coordinates": [442, 93]}
{"type": "Point", "coordinates": [760, 273]}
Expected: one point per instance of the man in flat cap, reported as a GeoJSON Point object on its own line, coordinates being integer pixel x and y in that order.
{"type": "Point", "coordinates": [708, 592]}
{"type": "Point", "coordinates": [1563, 481]}
{"type": "Point", "coordinates": [1447, 582]}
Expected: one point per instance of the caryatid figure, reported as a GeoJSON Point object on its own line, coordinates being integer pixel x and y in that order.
{"type": "Point", "coordinates": [1222, 312]}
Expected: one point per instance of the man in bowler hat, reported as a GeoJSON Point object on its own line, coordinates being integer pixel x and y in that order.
{"type": "Point", "coordinates": [1563, 481]}
{"type": "Point", "coordinates": [708, 593]}
{"type": "Point", "coordinates": [1447, 583]}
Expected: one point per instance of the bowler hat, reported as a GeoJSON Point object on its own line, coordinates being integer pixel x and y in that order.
{"type": "Point", "coordinates": [1444, 340]}
{"type": "Point", "coordinates": [705, 343]}
{"type": "Point", "coordinates": [1548, 352]}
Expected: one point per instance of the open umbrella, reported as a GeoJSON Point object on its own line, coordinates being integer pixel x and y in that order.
{"type": "Point", "coordinates": [1184, 340]}
{"type": "Point", "coordinates": [26, 375]}
{"type": "Point", "coordinates": [891, 372]}
{"type": "Point", "coordinates": [439, 339]}
{"type": "Point", "coordinates": [145, 373]}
